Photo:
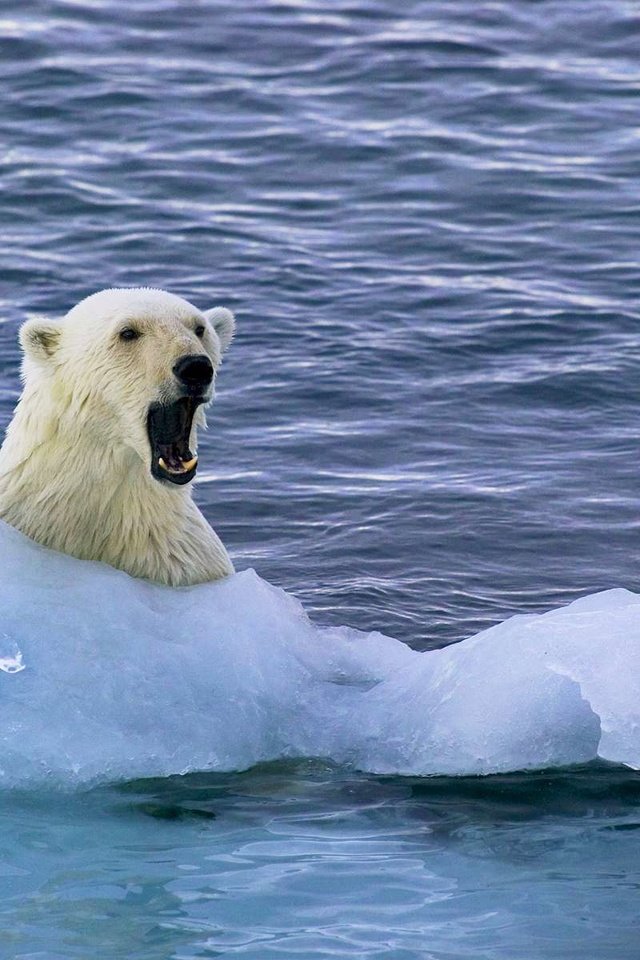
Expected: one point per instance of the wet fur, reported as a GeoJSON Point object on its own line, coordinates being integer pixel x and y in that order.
{"type": "Point", "coordinates": [75, 465]}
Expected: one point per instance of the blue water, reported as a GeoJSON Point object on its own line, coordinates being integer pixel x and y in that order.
{"type": "Point", "coordinates": [425, 216]}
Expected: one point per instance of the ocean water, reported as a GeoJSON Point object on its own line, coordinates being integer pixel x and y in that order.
{"type": "Point", "coordinates": [425, 217]}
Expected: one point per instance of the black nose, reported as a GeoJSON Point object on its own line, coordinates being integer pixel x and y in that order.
{"type": "Point", "coordinates": [195, 372]}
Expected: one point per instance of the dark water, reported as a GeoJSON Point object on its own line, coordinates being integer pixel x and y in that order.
{"type": "Point", "coordinates": [426, 217]}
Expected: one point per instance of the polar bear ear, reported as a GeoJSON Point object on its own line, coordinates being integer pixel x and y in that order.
{"type": "Point", "coordinates": [224, 324]}
{"type": "Point", "coordinates": [40, 338]}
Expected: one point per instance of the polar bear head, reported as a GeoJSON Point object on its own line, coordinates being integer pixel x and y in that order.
{"type": "Point", "coordinates": [130, 368]}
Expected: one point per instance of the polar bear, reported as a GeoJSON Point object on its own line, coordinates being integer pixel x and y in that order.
{"type": "Point", "coordinates": [99, 456]}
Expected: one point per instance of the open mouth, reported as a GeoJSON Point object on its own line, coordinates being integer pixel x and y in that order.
{"type": "Point", "coordinates": [169, 427]}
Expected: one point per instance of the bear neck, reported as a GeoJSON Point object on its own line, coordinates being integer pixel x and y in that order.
{"type": "Point", "coordinates": [66, 487]}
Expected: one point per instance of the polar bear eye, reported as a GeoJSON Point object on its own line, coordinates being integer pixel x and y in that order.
{"type": "Point", "coordinates": [129, 334]}
{"type": "Point", "coordinates": [199, 331]}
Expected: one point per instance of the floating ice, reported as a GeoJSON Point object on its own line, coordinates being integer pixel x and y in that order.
{"type": "Point", "coordinates": [104, 677]}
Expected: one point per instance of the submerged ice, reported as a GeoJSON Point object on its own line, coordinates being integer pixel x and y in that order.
{"type": "Point", "coordinates": [105, 677]}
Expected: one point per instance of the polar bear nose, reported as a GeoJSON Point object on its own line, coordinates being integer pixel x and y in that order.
{"type": "Point", "coordinates": [194, 371]}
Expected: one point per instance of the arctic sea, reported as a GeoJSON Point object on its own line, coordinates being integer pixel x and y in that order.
{"type": "Point", "coordinates": [425, 215]}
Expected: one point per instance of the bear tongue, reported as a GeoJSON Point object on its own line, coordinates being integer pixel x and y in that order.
{"type": "Point", "coordinates": [175, 460]}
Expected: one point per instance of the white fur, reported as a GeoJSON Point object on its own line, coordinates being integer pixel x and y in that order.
{"type": "Point", "coordinates": [75, 464]}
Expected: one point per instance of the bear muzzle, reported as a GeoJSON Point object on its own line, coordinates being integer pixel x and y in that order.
{"type": "Point", "coordinates": [169, 423]}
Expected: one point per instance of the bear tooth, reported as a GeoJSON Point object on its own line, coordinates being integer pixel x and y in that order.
{"type": "Point", "coordinates": [162, 463]}
{"type": "Point", "coordinates": [189, 464]}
